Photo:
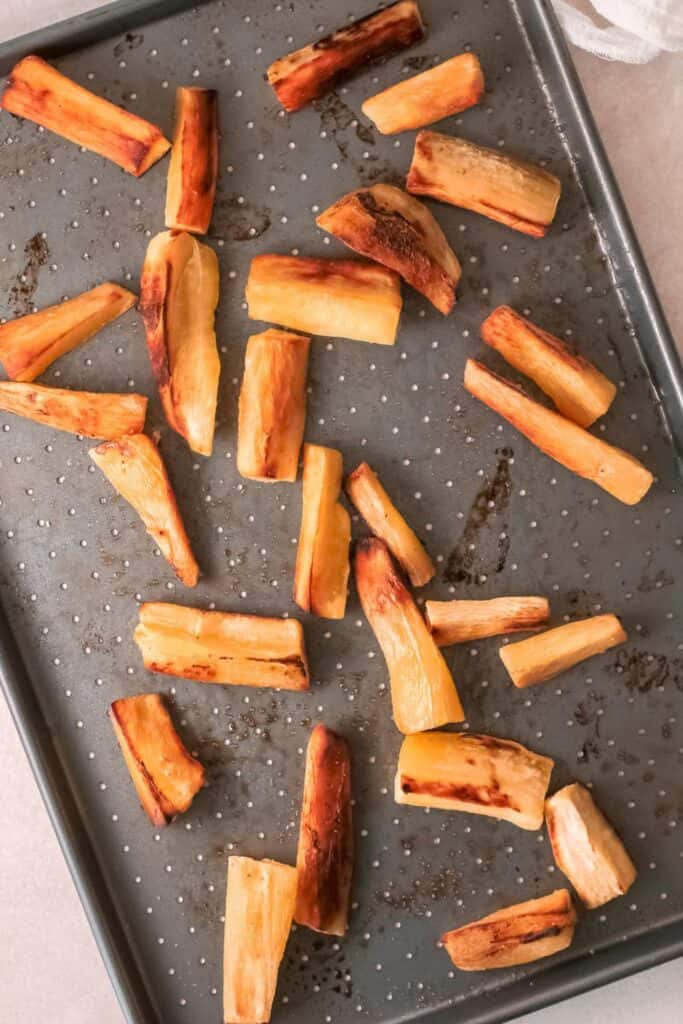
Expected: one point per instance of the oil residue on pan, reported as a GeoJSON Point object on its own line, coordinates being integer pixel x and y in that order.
{"type": "Point", "coordinates": [496, 516]}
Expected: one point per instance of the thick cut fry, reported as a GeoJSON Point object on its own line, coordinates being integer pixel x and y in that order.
{"type": "Point", "coordinates": [321, 574]}
{"type": "Point", "coordinates": [478, 774]}
{"type": "Point", "coordinates": [272, 405]}
{"type": "Point", "coordinates": [515, 935]}
{"type": "Point", "coordinates": [42, 94]}
{"type": "Point", "coordinates": [222, 647]}
{"type": "Point", "coordinates": [92, 414]}
{"type": "Point", "coordinates": [29, 344]}
{"type": "Point", "coordinates": [586, 847]}
{"type": "Point", "coordinates": [617, 472]}
{"type": "Point", "coordinates": [385, 224]}
{"type": "Point", "coordinates": [580, 392]}
{"type": "Point", "coordinates": [308, 73]}
{"type": "Point", "coordinates": [335, 298]}
{"type": "Point", "coordinates": [324, 859]}
{"type": "Point", "coordinates": [135, 468]}
{"type": "Point", "coordinates": [542, 657]}
{"type": "Point", "coordinates": [178, 298]}
{"type": "Point", "coordinates": [193, 169]}
{"type": "Point", "coordinates": [520, 195]}
{"type": "Point", "coordinates": [259, 907]}
{"type": "Point", "coordinates": [165, 775]}
{"type": "Point", "coordinates": [447, 89]}
{"type": "Point", "coordinates": [459, 622]}
{"type": "Point", "coordinates": [423, 693]}
{"type": "Point", "coordinates": [387, 523]}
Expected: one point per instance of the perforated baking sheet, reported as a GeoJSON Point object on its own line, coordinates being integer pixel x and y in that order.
{"type": "Point", "coordinates": [497, 516]}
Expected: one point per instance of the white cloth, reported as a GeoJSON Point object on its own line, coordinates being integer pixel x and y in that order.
{"type": "Point", "coordinates": [638, 30]}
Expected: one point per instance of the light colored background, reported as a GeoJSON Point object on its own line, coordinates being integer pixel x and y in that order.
{"type": "Point", "coordinates": [50, 970]}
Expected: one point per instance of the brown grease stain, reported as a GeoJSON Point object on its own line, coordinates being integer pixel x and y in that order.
{"type": "Point", "coordinates": [22, 291]}
{"type": "Point", "coordinates": [490, 503]}
{"type": "Point", "coordinates": [235, 221]}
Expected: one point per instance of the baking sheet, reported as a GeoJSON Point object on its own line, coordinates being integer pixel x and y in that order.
{"type": "Point", "coordinates": [75, 559]}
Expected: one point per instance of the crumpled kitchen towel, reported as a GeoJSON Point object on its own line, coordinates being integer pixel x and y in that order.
{"type": "Point", "coordinates": [638, 31]}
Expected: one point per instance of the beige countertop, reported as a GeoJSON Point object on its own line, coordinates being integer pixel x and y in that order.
{"type": "Point", "coordinates": [50, 970]}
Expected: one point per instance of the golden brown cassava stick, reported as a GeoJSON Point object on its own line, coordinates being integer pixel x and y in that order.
{"type": "Point", "coordinates": [478, 774]}
{"type": "Point", "coordinates": [135, 468]}
{"type": "Point", "coordinates": [259, 906]}
{"type": "Point", "coordinates": [272, 405]}
{"type": "Point", "coordinates": [447, 89]}
{"type": "Point", "coordinates": [324, 860]}
{"type": "Point", "coordinates": [387, 523]}
{"type": "Point", "coordinates": [385, 224]}
{"type": "Point", "coordinates": [308, 73]}
{"type": "Point", "coordinates": [459, 622]}
{"type": "Point", "coordinates": [178, 298]}
{"type": "Point", "coordinates": [586, 847]}
{"type": "Point", "coordinates": [542, 657]}
{"type": "Point", "coordinates": [423, 694]}
{"type": "Point", "coordinates": [617, 472]}
{"type": "Point", "coordinates": [29, 344]}
{"type": "Point", "coordinates": [322, 558]}
{"type": "Point", "coordinates": [42, 94]}
{"type": "Point", "coordinates": [517, 194]}
{"type": "Point", "coordinates": [222, 647]}
{"type": "Point", "coordinates": [193, 168]}
{"type": "Point", "coordinates": [336, 298]}
{"type": "Point", "coordinates": [515, 935]}
{"type": "Point", "coordinates": [165, 775]}
{"type": "Point", "coordinates": [92, 414]}
{"type": "Point", "coordinates": [578, 389]}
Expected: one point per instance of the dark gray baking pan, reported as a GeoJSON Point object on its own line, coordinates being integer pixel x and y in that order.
{"type": "Point", "coordinates": [499, 517]}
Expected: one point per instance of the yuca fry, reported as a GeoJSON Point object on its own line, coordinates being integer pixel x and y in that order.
{"type": "Point", "coordinates": [578, 389]}
{"type": "Point", "coordinates": [308, 73]}
{"type": "Point", "coordinates": [517, 194]}
{"type": "Point", "coordinates": [92, 414]}
{"type": "Point", "coordinates": [386, 522]}
{"type": "Point", "coordinates": [193, 168]}
{"type": "Point", "coordinates": [136, 470]}
{"type": "Point", "coordinates": [222, 647]}
{"type": "Point", "coordinates": [459, 622]}
{"type": "Point", "coordinates": [617, 472]}
{"type": "Point", "coordinates": [441, 91]}
{"type": "Point", "coordinates": [42, 94]}
{"type": "Point", "coordinates": [29, 344]}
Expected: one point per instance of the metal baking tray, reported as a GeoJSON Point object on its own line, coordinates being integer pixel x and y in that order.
{"type": "Point", "coordinates": [75, 560]}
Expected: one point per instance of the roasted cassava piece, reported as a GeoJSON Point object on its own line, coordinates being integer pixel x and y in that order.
{"type": "Point", "coordinates": [92, 414]}
{"type": "Point", "coordinates": [387, 523]}
{"type": "Point", "coordinates": [29, 344]}
{"type": "Point", "coordinates": [447, 89]}
{"type": "Point", "coordinates": [321, 573]}
{"type": "Point", "coordinates": [272, 405]}
{"type": "Point", "coordinates": [135, 468]}
{"type": "Point", "coordinates": [259, 907]}
{"type": "Point", "coordinates": [520, 195]}
{"type": "Point", "coordinates": [580, 392]}
{"type": "Point", "coordinates": [336, 298]}
{"type": "Point", "coordinates": [308, 73]}
{"type": "Point", "coordinates": [516, 935]}
{"type": "Point", "coordinates": [178, 298]}
{"type": "Point", "coordinates": [617, 472]}
{"type": "Point", "coordinates": [324, 859]}
{"type": "Point", "coordinates": [222, 647]}
{"type": "Point", "coordinates": [542, 657]}
{"type": "Point", "coordinates": [387, 225]}
{"type": "Point", "coordinates": [42, 94]}
{"type": "Point", "coordinates": [193, 169]}
{"type": "Point", "coordinates": [423, 693]}
{"type": "Point", "coordinates": [479, 774]}
{"type": "Point", "coordinates": [459, 622]}
{"type": "Point", "coordinates": [165, 775]}
{"type": "Point", "coordinates": [586, 847]}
